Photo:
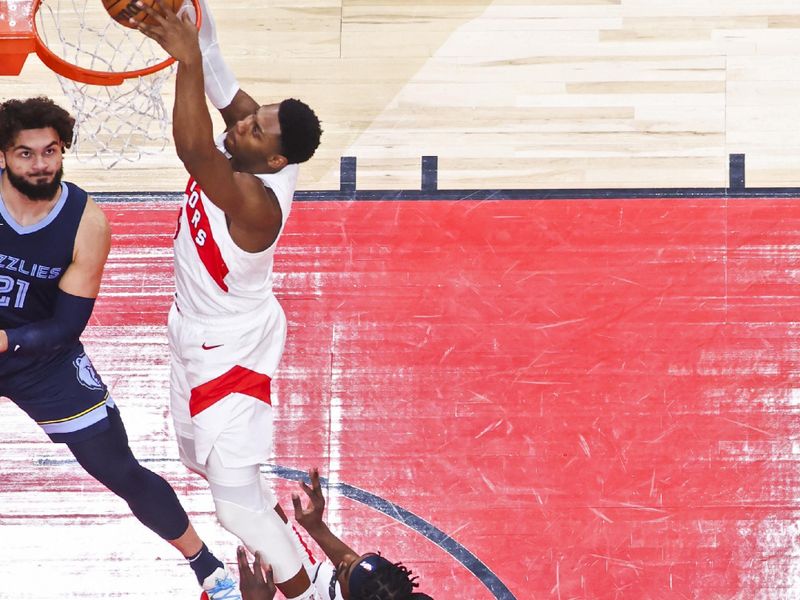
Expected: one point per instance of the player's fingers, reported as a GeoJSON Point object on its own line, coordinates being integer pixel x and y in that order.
{"type": "Point", "coordinates": [163, 9]}
{"type": "Point", "coordinates": [315, 479]}
{"type": "Point", "coordinates": [258, 568]}
{"type": "Point", "coordinates": [270, 581]}
{"type": "Point", "coordinates": [151, 12]}
{"type": "Point", "coordinates": [298, 506]}
{"type": "Point", "coordinates": [304, 486]}
{"type": "Point", "coordinates": [151, 32]}
{"type": "Point", "coordinates": [317, 498]}
{"type": "Point", "coordinates": [241, 558]}
{"type": "Point", "coordinates": [139, 25]}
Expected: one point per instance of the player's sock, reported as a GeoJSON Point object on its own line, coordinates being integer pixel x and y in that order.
{"type": "Point", "coordinates": [204, 563]}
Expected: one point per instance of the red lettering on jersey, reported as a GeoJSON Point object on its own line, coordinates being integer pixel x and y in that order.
{"type": "Point", "coordinates": [200, 231]}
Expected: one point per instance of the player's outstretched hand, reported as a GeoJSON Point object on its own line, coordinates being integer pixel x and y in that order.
{"type": "Point", "coordinates": [310, 517]}
{"type": "Point", "coordinates": [254, 585]}
{"type": "Point", "coordinates": [177, 36]}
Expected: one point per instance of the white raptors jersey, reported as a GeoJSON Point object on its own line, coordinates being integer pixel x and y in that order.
{"type": "Point", "coordinates": [213, 276]}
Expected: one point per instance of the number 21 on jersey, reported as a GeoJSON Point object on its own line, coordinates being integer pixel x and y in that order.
{"type": "Point", "coordinates": [12, 291]}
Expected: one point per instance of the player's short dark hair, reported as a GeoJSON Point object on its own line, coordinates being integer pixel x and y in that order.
{"type": "Point", "coordinates": [33, 113]}
{"type": "Point", "coordinates": [300, 130]}
{"type": "Point", "coordinates": [389, 582]}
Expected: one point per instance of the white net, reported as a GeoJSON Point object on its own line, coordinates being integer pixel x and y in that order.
{"type": "Point", "coordinates": [118, 123]}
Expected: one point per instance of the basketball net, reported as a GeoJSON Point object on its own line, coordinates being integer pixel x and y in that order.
{"type": "Point", "coordinates": [120, 123]}
{"type": "Point", "coordinates": [114, 123]}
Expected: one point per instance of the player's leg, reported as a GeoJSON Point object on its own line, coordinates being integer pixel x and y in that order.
{"type": "Point", "coordinates": [248, 510]}
{"type": "Point", "coordinates": [108, 458]}
{"type": "Point", "coordinates": [242, 489]}
{"type": "Point", "coordinates": [220, 401]}
{"type": "Point", "coordinates": [69, 400]}
{"type": "Point", "coordinates": [230, 438]}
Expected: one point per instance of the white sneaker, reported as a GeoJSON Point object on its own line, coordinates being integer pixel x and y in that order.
{"type": "Point", "coordinates": [220, 586]}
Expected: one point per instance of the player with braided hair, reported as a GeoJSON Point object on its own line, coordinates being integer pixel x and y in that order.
{"type": "Point", "coordinates": [375, 578]}
{"type": "Point", "coordinates": [367, 576]}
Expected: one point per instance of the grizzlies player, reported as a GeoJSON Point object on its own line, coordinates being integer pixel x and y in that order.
{"type": "Point", "coordinates": [54, 241]}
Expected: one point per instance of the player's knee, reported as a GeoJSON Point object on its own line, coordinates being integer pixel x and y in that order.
{"type": "Point", "coordinates": [244, 523]}
{"type": "Point", "coordinates": [262, 531]}
{"type": "Point", "coordinates": [123, 475]}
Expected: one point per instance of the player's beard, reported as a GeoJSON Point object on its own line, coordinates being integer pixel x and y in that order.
{"type": "Point", "coordinates": [35, 191]}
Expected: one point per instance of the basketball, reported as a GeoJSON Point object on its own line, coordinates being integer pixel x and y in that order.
{"type": "Point", "coordinates": [122, 10]}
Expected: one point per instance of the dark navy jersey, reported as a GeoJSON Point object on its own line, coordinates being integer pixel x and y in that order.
{"type": "Point", "coordinates": [33, 258]}
{"type": "Point", "coordinates": [59, 389]}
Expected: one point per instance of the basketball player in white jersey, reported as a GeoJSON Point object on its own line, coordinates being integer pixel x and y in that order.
{"type": "Point", "coordinates": [226, 328]}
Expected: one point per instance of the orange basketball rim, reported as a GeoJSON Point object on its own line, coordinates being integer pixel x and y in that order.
{"type": "Point", "coordinates": [19, 37]}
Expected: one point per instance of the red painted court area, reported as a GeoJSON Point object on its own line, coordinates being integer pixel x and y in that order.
{"type": "Point", "coordinates": [597, 399]}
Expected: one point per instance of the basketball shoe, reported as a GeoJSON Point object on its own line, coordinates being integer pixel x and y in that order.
{"type": "Point", "coordinates": [220, 586]}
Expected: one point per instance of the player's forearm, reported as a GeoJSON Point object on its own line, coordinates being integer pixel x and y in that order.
{"type": "Point", "coordinates": [70, 316]}
{"type": "Point", "coordinates": [191, 122]}
{"type": "Point", "coordinates": [334, 548]}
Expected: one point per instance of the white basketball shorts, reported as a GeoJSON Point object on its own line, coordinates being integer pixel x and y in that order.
{"type": "Point", "coordinates": [220, 375]}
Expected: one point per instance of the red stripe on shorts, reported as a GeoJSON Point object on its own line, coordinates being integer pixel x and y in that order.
{"type": "Point", "coordinates": [237, 380]}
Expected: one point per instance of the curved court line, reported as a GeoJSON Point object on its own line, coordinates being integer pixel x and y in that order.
{"type": "Point", "coordinates": [471, 562]}
{"type": "Point", "coordinates": [434, 534]}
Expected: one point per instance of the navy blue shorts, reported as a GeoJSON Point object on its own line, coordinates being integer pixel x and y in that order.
{"type": "Point", "coordinates": [63, 393]}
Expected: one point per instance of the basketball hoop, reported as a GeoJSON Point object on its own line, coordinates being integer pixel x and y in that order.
{"type": "Point", "coordinates": [112, 75]}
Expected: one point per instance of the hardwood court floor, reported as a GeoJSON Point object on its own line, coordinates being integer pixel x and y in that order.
{"type": "Point", "coordinates": [595, 398]}
{"type": "Point", "coordinates": [511, 93]}
{"type": "Point", "coordinates": [592, 399]}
